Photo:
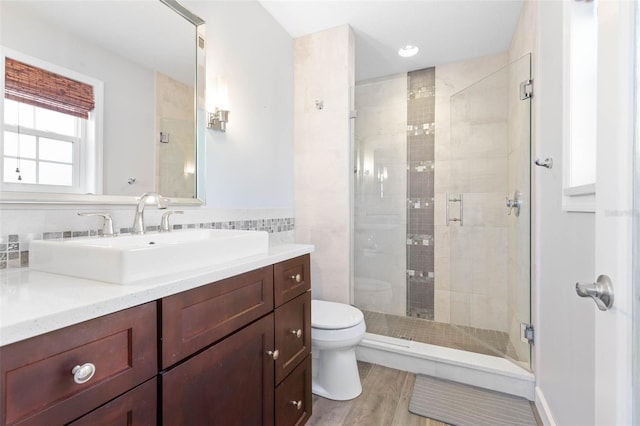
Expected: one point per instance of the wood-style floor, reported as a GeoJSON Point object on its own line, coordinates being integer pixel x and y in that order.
{"type": "Point", "coordinates": [384, 401]}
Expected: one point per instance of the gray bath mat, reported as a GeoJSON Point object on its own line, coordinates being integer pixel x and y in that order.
{"type": "Point", "coordinates": [464, 405]}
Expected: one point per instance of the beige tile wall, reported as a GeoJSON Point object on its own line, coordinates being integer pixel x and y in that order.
{"type": "Point", "coordinates": [175, 167]}
{"type": "Point", "coordinates": [380, 207]}
{"type": "Point", "coordinates": [323, 172]}
{"type": "Point", "coordinates": [475, 154]}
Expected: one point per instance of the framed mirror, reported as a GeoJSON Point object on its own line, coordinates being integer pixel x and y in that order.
{"type": "Point", "coordinates": [139, 69]}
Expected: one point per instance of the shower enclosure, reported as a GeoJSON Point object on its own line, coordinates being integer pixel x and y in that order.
{"type": "Point", "coordinates": [442, 207]}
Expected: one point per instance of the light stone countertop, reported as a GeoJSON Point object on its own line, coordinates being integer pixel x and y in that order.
{"type": "Point", "coordinates": [34, 303]}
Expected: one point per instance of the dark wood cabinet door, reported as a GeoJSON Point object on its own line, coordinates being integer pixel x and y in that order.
{"type": "Point", "coordinates": [230, 383]}
{"type": "Point", "coordinates": [194, 319]}
{"type": "Point", "coordinates": [37, 385]}
{"type": "Point", "coordinates": [135, 408]}
{"type": "Point", "coordinates": [293, 396]}
{"type": "Point", "coordinates": [291, 278]}
{"type": "Point", "coordinates": [292, 334]}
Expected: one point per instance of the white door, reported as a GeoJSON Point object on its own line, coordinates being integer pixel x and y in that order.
{"type": "Point", "coordinates": [615, 123]}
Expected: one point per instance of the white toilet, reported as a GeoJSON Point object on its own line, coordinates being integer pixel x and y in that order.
{"type": "Point", "coordinates": [336, 330]}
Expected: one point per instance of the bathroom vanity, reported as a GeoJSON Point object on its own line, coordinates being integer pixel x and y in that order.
{"type": "Point", "coordinates": [226, 345]}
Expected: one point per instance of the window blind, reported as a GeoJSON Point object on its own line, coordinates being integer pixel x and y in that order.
{"type": "Point", "coordinates": [35, 86]}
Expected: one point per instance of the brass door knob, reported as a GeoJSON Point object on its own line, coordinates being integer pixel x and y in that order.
{"type": "Point", "coordinates": [297, 333]}
{"type": "Point", "coordinates": [297, 278]}
{"type": "Point", "coordinates": [297, 404]}
{"type": "Point", "coordinates": [274, 354]}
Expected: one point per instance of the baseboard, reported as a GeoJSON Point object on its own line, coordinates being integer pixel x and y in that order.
{"type": "Point", "coordinates": [543, 409]}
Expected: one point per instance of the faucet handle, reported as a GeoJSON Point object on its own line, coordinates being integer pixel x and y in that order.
{"type": "Point", "coordinates": [164, 222]}
{"type": "Point", "coordinates": [107, 224]}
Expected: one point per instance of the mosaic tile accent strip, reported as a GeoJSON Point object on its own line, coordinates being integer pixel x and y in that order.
{"type": "Point", "coordinates": [420, 189]}
{"type": "Point", "coordinates": [12, 256]}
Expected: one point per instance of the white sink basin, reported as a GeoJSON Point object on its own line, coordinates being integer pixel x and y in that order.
{"type": "Point", "coordinates": [129, 258]}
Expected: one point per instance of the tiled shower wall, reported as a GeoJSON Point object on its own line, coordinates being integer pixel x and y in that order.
{"type": "Point", "coordinates": [450, 79]}
{"type": "Point", "coordinates": [18, 227]}
{"type": "Point", "coordinates": [380, 256]}
{"type": "Point", "coordinates": [420, 193]}
{"type": "Point", "coordinates": [324, 71]}
{"type": "Point", "coordinates": [479, 246]}
{"type": "Point", "coordinates": [175, 167]}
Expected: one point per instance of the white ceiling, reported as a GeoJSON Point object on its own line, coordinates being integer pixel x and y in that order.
{"type": "Point", "coordinates": [444, 30]}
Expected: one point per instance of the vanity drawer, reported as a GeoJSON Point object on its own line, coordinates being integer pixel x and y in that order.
{"type": "Point", "coordinates": [138, 407]}
{"type": "Point", "coordinates": [293, 396]}
{"type": "Point", "coordinates": [194, 319]}
{"type": "Point", "coordinates": [292, 334]}
{"type": "Point", "coordinates": [291, 278]}
{"type": "Point", "coordinates": [38, 386]}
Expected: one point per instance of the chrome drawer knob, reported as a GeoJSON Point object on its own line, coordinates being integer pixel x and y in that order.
{"type": "Point", "coordinates": [83, 373]}
{"type": "Point", "coordinates": [297, 278]}
{"type": "Point", "coordinates": [297, 333]}
{"type": "Point", "coordinates": [274, 354]}
{"type": "Point", "coordinates": [297, 404]}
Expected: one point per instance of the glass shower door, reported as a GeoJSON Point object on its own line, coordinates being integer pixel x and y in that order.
{"type": "Point", "coordinates": [488, 212]}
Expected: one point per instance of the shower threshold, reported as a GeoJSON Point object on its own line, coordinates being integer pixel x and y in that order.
{"type": "Point", "coordinates": [471, 339]}
{"type": "Point", "coordinates": [484, 371]}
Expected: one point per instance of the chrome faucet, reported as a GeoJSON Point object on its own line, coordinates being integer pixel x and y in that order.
{"type": "Point", "coordinates": [107, 223]}
{"type": "Point", "coordinates": [138, 220]}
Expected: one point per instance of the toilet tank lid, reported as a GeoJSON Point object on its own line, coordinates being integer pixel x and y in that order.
{"type": "Point", "coordinates": [334, 316]}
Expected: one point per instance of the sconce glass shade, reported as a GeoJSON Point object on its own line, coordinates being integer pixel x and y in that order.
{"type": "Point", "coordinates": [218, 120]}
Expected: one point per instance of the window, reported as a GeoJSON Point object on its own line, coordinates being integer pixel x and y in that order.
{"type": "Point", "coordinates": [47, 142]}
{"type": "Point", "coordinates": [580, 88]}
{"type": "Point", "coordinates": [41, 147]}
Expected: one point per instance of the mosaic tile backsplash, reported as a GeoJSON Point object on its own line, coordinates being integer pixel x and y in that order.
{"type": "Point", "coordinates": [14, 251]}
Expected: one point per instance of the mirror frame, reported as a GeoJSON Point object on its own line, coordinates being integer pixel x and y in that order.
{"type": "Point", "coordinates": [11, 197]}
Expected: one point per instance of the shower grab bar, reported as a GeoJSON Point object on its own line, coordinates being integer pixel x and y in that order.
{"type": "Point", "coordinates": [460, 202]}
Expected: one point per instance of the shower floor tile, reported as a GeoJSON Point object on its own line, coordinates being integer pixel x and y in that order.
{"type": "Point", "coordinates": [488, 342]}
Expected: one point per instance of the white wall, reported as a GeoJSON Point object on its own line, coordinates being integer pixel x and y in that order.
{"type": "Point", "coordinates": [251, 165]}
{"type": "Point", "coordinates": [323, 151]}
{"type": "Point", "coordinates": [564, 250]}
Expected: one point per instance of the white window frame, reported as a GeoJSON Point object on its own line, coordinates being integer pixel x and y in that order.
{"type": "Point", "coordinates": [89, 168]}
{"type": "Point", "coordinates": [77, 141]}
{"type": "Point", "coordinates": [575, 198]}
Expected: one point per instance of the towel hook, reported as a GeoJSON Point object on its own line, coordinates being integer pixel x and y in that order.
{"type": "Point", "coordinates": [547, 162]}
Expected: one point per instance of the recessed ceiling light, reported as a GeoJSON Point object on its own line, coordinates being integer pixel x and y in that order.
{"type": "Point", "coordinates": [408, 51]}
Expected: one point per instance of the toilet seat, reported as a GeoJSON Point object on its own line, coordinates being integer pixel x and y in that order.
{"type": "Point", "coordinates": [334, 316]}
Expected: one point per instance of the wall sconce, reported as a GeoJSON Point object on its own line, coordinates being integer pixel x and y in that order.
{"type": "Point", "coordinates": [218, 120]}
{"type": "Point", "coordinates": [218, 101]}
